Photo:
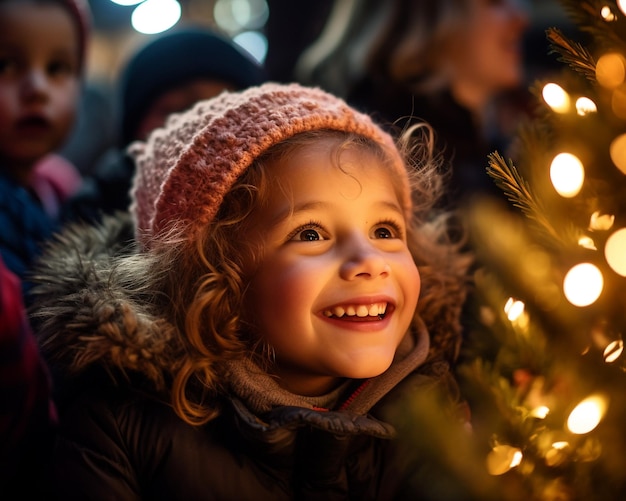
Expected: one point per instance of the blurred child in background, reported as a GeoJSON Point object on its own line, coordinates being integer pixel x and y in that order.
{"type": "Point", "coordinates": [42, 55]}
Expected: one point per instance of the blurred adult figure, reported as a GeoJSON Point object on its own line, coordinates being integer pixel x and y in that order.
{"type": "Point", "coordinates": [452, 63]}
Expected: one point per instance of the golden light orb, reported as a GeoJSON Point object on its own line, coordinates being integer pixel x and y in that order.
{"type": "Point", "coordinates": [502, 458]}
{"type": "Point", "coordinates": [615, 252]}
{"type": "Point", "coordinates": [513, 309]}
{"type": "Point", "coordinates": [613, 351]}
{"type": "Point", "coordinates": [600, 222]}
{"type": "Point", "coordinates": [583, 284]}
{"type": "Point", "coordinates": [556, 97]}
{"type": "Point", "coordinates": [611, 70]}
{"type": "Point", "coordinates": [567, 174]}
{"type": "Point", "coordinates": [587, 414]}
{"type": "Point", "coordinates": [585, 106]}
{"type": "Point", "coordinates": [617, 149]}
{"type": "Point", "coordinates": [607, 14]}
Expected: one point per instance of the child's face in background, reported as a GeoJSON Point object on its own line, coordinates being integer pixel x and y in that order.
{"type": "Point", "coordinates": [39, 80]}
{"type": "Point", "coordinates": [336, 286]}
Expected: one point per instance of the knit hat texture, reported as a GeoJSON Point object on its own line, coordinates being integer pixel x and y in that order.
{"type": "Point", "coordinates": [79, 9]}
{"type": "Point", "coordinates": [176, 58]}
{"type": "Point", "coordinates": [185, 168]}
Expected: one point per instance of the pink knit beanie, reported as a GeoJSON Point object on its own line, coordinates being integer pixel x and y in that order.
{"type": "Point", "coordinates": [185, 169]}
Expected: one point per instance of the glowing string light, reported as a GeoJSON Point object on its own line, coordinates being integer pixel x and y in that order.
{"type": "Point", "coordinates": [617, 149]}
{"type": "Point", "coordinates": [587, 415]}
{"type": "Point", "coordinates": [607, 14]}
{"type": "Point", "coordinates": [613, 351]}
{"type": "Point", "coordinates": [615, 252]}
{"type": "Point", "coordinates": [556, 97]}
{"type": "Point", "coordinates": [502, 458]}
{"type": "Point", "coordinates": [583, 284]}
{"type": "Point", "coordinates": [567, 174]}
{"type": "Point", "coordinates": [585, 106]}
{"type": "Point", "coordinates": [610, 70]}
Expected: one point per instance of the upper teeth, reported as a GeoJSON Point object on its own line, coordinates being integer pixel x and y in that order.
{"type": "Point", "coordinates": [359, 310]}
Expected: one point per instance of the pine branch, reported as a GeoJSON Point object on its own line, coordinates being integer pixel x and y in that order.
{"type": "Point", "coordinates": [585, 14]}
{"type": "Point", "coordinates": [517, 190]}
{"type": "Point", "coordinates": [572, 53]}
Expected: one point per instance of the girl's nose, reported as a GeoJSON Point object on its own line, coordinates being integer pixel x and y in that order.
{"type": "Point", "coordinates": [362, 260]}
{"type": "Point", "coordinates": [34, 84]}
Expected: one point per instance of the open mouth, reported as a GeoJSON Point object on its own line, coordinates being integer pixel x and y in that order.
{"type": "Point", "coordinates": [355, 312]}
{"type": "Point", "coordinates": [33, 125]}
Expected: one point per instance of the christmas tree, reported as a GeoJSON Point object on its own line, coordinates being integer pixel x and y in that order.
{"type": "Point", "coordinates": [543, 365]}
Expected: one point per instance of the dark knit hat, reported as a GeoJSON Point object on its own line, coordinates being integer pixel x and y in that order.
{"type": "Point", "coordinates": [185, 169]}
{"type": "Point", "coordinates": [176, 58]}
{"type": "Point", "coordinates": [79, 9]}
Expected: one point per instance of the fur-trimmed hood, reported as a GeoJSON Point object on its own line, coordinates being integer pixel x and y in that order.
{"type": "Point", "coordinates": [82, 310]}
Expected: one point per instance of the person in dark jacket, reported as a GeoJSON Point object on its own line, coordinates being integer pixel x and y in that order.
{"type": "Point", "coordinates": [168, 74]}
{"type": "Point", "coordinates": [281, 294]}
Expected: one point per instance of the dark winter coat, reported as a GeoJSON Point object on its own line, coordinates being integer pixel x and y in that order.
{"type": "Point", "coordinates": [24, 226]}
{"type": "Point", "coordinates": [120, 440]}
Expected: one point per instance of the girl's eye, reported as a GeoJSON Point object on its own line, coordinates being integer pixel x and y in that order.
{"type": "Point", "coordinates": [383, 233]}
{"type": "Point", "coordinates": [388, 229]}
{"type": "Point", "coordinates": [309, 235]}
{"type": "Point", "coordinates": [310, 232]}
{"type": "Point", "coordinates": [57, 68]}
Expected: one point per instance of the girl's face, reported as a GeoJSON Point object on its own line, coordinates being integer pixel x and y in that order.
{"type": "Point", "coordinates": [336, 287]}
{"type": "Point", "coordinates": [489, 53]}
{"type": "Point", "coordinates": [39, 80]}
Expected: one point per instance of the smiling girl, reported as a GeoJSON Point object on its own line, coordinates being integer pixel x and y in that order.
{"type": "Point", "coordinates": [287, 282]}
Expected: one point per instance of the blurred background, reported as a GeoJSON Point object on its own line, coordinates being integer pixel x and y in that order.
{"type": "Point", "coordinates": [275, 32]}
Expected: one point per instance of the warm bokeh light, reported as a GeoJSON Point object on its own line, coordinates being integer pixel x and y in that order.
{"type": "Point", "coordinates": [613, 351]}
{"type": "Point", "coordinates": [587, 415]}
{"type": "Point", "coordinates": [540, 412]}
{"type": "Point", "coordinates": [556, 97]}
{"type": "Point", "coordinates": [601, 222]}
{"type": "Point", "coordinates": [615, 252]}
{"type": "Point", "coordinates": [587, 243]}
{"type": "Point", "coordinates": [622, 5]}
{"type": "Point", "coordinates": [155, 16]}
{"type": "Point", "coordinates": [607, 14]}
{"type": "Point", "coordinates": [584, 106]}
{"type": "Point", "coordinates": [513, 309]}
{"type": "Point", "coordinates": [567, 174]}
{"type": "Point", "coordinates": [618, 102]}
{"type": "Point", "coordinates": [502, 458]}
{"type": "Point", "coordinates": [610, 70]}
{"type": "Point", "coordinates": [583, 284]}
{"type": "Point", "coordinates": [618, 152]}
